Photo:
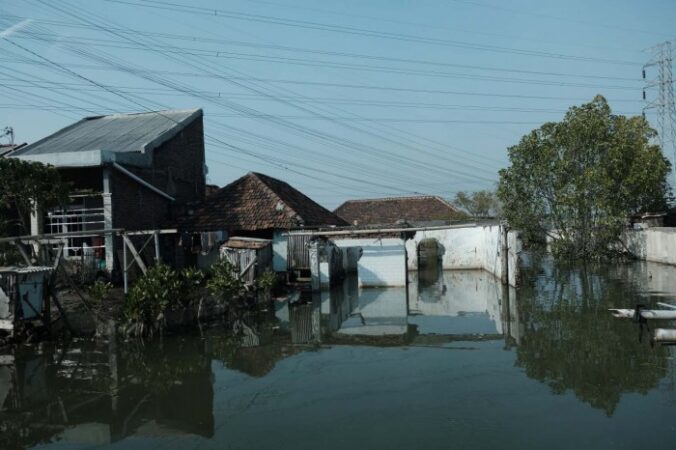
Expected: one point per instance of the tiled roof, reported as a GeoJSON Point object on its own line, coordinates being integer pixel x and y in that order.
{"type": "Point", "coordinates": [258, 202]}
{"type": "Point", "coordinates": [382, 211]}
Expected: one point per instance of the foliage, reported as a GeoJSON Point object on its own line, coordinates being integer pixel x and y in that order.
{"type": "Point", "coordinates": [224, 283]}
{"type": "Point", "coordinates": [192, 280]}
{"type": "Point", "coordinates": [23, 184]}
{"type": "Point", "coordinates": [149, 298]}
{"type": "Point", "coordinates": [99, 291]}
{"type": "Point", "coordinates": [266, 281]}
{"type": "Point", "coordinates": [580, 179]}
{"type": "Point", "coordinates": [478, 204]}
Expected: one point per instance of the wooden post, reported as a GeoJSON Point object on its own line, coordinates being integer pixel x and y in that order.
{"type": "Point", "coordinates": [156, 237]}
{"type": "Point", "coordinates": [504, 253]}
{"type": "Point", "coordinates": [125, 267]}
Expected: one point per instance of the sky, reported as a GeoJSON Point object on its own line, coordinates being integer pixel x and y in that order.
{"type": "Point", "coordinates": [343, 99]}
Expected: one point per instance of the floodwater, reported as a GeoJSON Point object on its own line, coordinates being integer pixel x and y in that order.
{"type": "Point", "coordinates": [454, 361]}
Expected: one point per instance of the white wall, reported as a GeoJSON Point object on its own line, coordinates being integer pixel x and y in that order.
{"type": "Point", "coordinates": [383, 261]}
{"type": "Point", "coordinates": [472, 247]}
{"type": "Point", "coordinates": [653, 244]}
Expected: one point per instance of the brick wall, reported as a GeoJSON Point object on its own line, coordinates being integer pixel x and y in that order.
{"type": "Point", "coordinates": [178, 166]}
{"type": "Point", "coordinates": [177, 169]}
{"type": "Point", "coordinates": [136, 207]}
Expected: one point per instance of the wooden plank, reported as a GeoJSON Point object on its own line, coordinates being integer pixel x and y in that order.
{"type": "Point", "coordinates": [134, 253]}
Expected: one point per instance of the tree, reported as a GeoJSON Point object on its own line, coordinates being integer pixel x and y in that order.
{"type": "Point", "coordinates": [580, 179]}
{"type": "Point", "coordinates": [478, 204]}
{"type": "Point", "coordinates": [24, 184]}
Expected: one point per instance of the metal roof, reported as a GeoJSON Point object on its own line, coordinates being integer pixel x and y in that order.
{"type": "Point", "coordinates": [22, 270]}
{"type": "Point", "coordinates": [116, 133]}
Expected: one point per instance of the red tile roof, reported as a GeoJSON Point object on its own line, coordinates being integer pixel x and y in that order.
{"type": "Point", "coordinates": [383, 211]}
{"type": "Point", "coordinates": [258, 202]}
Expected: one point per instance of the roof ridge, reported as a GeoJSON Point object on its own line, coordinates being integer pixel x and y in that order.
{"type": "Point", "coordinates": [260, 178]}
{"type": "Point", "coordinates": [140, 113]}
{"type": "Point", "coordinates": [381, 199]}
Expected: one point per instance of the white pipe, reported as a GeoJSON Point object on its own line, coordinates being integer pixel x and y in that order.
{"type": "Point", "coordinates": [142, 182]}
{"type": "Point", "coordinates": [664, 335]}
{"type": "Point", "coordinates": [666, 305]}
{"type": "Point", "coordinates": [656, 314]}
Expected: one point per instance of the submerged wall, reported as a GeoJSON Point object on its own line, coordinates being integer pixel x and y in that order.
{"type": "Point", "coordinates": [472, 247]}
{"type": "Point", "coordinates": [652, 244]}
{"type": "Point", "coordinates": [382, 262]}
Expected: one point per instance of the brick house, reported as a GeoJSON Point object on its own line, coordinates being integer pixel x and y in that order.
{"type": "Point", "coordinates": [417, 211]}
{"type": "Point", "coordinates": [260, 206]}
{"type": "Point", "coordinates": [126, 171]}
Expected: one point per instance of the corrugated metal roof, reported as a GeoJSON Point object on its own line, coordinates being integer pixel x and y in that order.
{"type": "Point", "coordinates": [117, 133]}
{"type": "Point", "coordinates": [31, 269]}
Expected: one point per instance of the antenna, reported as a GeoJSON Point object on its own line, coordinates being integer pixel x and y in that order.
{"type": "Point", "coordinates": [663, 100]}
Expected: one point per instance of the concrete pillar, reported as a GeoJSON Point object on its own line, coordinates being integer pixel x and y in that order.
{"type": "Point", "coordinates": [37, 220]}
{"type": "Point", "coordinates": [108, 217]}
{"type": "Point", "coordinates": [37, 223]}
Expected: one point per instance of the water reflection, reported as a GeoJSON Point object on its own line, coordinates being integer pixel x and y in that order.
{"type": "Point", "coordinates": [551, 339]}
{"type": "Point", "coordinates": [89, 393]}
{"type": "Point", "coordinates": [569, 341]}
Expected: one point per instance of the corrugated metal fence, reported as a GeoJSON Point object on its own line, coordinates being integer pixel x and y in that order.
{"type": "Point", "coordinates": [240, 259]}
{"type": "Point", "coordinates": [298, 252]}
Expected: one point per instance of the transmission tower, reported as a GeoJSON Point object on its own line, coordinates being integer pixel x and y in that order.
{"type": "Point", "coordinates": [663, 100]}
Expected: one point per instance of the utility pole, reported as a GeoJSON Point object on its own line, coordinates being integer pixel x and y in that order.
{"type": "Point", "coordinates": [662, 100]}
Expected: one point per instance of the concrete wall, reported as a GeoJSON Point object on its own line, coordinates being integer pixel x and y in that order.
{"type": "Point", "coordinates": [383, 260]}
{"type": "Point", "coordinates": [472, 247]}
{"type": "Point", "coordinates": [653, 244]}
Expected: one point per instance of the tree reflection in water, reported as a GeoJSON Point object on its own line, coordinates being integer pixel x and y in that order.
{"type": "Point", "coordinates": [571, 342]}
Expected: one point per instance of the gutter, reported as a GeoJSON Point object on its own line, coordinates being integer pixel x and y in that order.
{"type": "Point", "coordinates": [142, 182]}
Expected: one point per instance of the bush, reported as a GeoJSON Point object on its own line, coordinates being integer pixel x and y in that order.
{"type": "Point", "coordinates": [99, 291]}
{"type": "Point", "coordinates": [192, 279]}
{"type": "Point", "coordinates": [149, 298]}
{"type": "Point", "coordinates": [224, 284]}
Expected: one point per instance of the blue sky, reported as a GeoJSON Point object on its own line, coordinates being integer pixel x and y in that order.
{"type": "Point", "coordinates": [343, 99]}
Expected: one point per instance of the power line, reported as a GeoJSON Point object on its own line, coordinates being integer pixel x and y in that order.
{"type": "Point", "coordinates": [202, 39]}
{"type": "Point", "coordinates": [176, 7]}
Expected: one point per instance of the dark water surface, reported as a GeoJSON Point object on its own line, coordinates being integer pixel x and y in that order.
{"type": "Point", "coordinates": [455, 362]}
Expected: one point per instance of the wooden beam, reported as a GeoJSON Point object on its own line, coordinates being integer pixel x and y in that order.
{"type": "Point", "coordinates": [24, 255]}
{"type": "Point", "coordinates": [134, 253]}
{"type": "Point", "coordinates": [248, 266]}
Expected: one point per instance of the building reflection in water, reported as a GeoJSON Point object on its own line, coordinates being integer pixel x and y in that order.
{"type": "Point", "coordinates": [89, 393]}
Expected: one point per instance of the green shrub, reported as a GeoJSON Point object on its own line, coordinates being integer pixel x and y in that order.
{"type": "Point", "coordinates": [99, 291]}
{"type": "Point", "coordinates": [224, 283]}
{"type": "Point", "coordinates": [149, 298]}
{"type": "Point", "coordinates": [192, 279]}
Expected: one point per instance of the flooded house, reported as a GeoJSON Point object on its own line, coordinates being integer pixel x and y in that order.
{"type": "Point", "coordinates": [126, 172]}
{"type": "Point", "coordinates": [259, 206]}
